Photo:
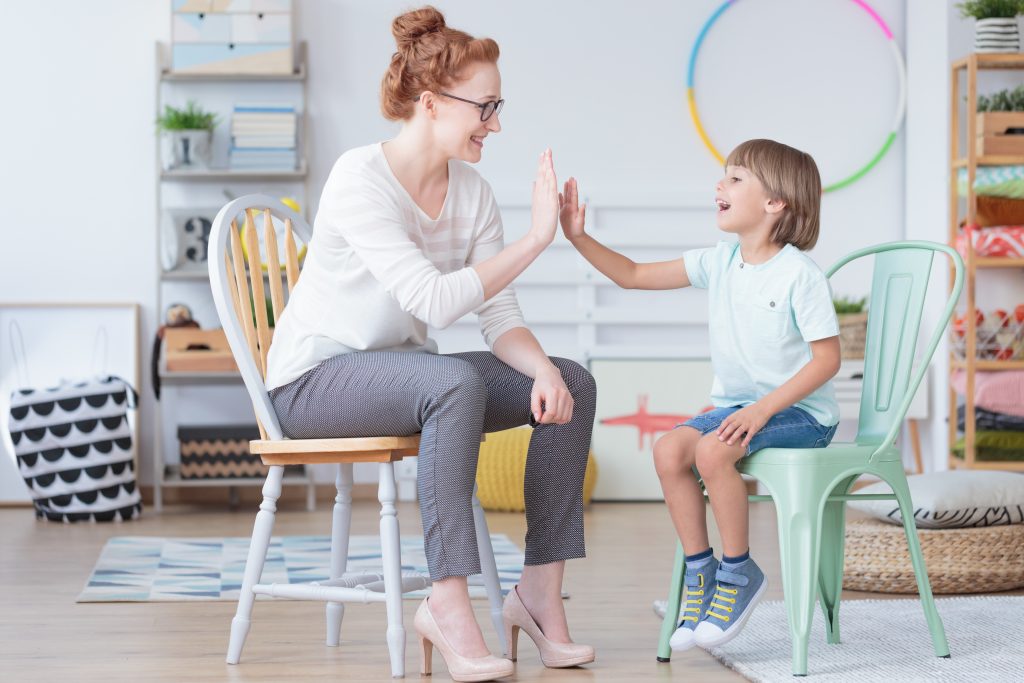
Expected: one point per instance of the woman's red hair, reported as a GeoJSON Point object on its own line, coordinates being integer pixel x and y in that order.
{"type": "Point", "coordinates": [430, 56]}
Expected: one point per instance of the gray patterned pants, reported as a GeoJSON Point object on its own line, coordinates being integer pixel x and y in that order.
{"type": "Point", "coordinates": [451, 400]}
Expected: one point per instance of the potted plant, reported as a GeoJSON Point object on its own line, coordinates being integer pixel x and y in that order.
{"type": "Point", "coordinates": [996, 27]}
{"type": "Point", "coordinates": [187, 135]}
{"type": "Point", "coordinates": [853, 326]}
{"type": "Point", "coordinates": [1000, 122]}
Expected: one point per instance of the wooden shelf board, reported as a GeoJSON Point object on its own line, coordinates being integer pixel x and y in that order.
{"type": "Point", "coordinates": [998, 262]}
{"type": "Point", "coordinates": [172, 478]}
{"type": "Point", "coordinates": [234, 174]}
{"type": "Point", "coordinates": [991, 160]}
{"type": "Point", "coordinates": [960, 364]}
{"type": "Point", "coordinates": [999, 60]}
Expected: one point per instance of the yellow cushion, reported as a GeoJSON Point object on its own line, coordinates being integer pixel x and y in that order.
{"type": "Point", "coordinates": [502, 471]}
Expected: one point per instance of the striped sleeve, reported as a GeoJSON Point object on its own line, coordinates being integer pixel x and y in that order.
{"type": "Point", "coordinates": [501, 312]}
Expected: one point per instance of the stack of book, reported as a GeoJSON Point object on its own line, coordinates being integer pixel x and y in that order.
{"type": "Point", "coordinates": [263, 137]}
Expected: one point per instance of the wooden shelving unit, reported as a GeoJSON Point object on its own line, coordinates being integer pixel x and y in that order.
{"type": "Point", "coordinates": [970, 160]}
{"type": "Point", "coordinates": [292, 86]}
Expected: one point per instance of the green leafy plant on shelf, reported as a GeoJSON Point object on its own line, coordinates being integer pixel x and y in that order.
{"type": "Point", "coordinates": [846, 305]}
{"type": "Point", "coordinates": [192, 117]}
{"type": "Point", "coordinates": [990, 9]}
{"type": "Point", "coordinates": [1002, 100]}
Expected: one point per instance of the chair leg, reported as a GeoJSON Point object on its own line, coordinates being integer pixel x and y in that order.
{"type": "Point", "coordinates": [898, 482]}
{"type": "Point", "coordinates": [341, 526]}
{"type": "Point", "coordinates": [830, 570]}
{"type": "Point", "coordinates": [391, 552]}
{"type": "Point", "coordinates": [257, 557]}
{"type": "Point", "coordinates": [489, 569]}
{"type": "Point", "coordinates": [799, 547]}
{"type": "Point", "coordinates": [675, 596]}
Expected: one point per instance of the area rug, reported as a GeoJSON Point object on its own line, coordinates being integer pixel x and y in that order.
{"type": "Point", "coordinates": [887, 641]}
{"type": "Point", "coordinates": [154, 569]}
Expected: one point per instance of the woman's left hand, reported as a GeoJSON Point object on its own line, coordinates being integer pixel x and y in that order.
{"type": "Point", "coordinates": [745, 423]}
{"type": "Point", "coordinates": [550, 399]}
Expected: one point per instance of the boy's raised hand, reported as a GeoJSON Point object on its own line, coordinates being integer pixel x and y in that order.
{"type": "Point", "coordinates": [572, 215]}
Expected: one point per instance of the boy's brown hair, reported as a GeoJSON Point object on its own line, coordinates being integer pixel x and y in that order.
{"type": "Point", "coordinates": [791, 176]}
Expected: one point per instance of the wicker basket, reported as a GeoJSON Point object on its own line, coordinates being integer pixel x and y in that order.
{"type": "Point", "coordinates": [853, 332]}
{"type": "Point", "coordinates": [501, 471]}
{"type": "Point", "coordinates": [973, 560]}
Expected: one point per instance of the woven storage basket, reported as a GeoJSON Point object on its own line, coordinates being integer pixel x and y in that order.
{"type": "Point", "coordinates": [973, 560]}
{"type": "Point", "coordinates": [502, 470]}
{"type": "Point", "coordinates": [853, 332]}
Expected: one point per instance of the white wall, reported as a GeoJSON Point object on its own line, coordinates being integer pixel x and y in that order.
{"type": "Point", "coordinates": [602, 83]}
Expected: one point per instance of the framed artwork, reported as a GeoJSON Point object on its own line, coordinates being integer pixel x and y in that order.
{"type": "Point", "coordinates": [43, 344]}
{"type": "Point", "coordinates": [638, 400]}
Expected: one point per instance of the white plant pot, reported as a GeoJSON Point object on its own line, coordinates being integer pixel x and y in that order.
{"type": "Point", "coordinates": [186, 149]}
{"type": "Point", "coordinates": [996, 35]}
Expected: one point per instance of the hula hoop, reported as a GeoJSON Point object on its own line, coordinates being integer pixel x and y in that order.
{"type": "Point", "coordinates": [901, 106]}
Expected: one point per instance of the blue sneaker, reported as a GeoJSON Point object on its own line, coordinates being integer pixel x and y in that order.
{"type": "Point", "coordinates": [697, 598]}
{"type": "Point", "coordinates": [738, 590]}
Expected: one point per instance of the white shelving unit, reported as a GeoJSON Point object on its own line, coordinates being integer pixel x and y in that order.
{"type": "Point", "coordinates": [202, 188]}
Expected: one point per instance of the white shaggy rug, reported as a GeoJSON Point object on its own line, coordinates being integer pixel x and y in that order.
{"type": "Point", "coordinates": [887, 641]}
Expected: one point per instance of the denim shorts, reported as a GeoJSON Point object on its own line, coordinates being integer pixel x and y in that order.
{"type": "Point", "coordinates": [792, 428]}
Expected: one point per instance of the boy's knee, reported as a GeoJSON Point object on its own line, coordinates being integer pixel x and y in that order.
{"type": "Point", "coordinates": [709, 456]}
{"type": "Point", "coordinates": [672, 454]}
{"type": "Point", "coordinates": [665, 456]}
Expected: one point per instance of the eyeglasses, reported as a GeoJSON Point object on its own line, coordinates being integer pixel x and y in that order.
{"type": "Point", "coordinates": [487, 109]}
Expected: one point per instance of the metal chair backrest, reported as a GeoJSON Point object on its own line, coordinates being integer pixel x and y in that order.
{"type": "Point", "coordinates": [899, 284]}
{"type": "Point", "coordinates": [239, 293]}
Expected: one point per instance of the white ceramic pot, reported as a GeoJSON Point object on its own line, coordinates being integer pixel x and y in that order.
{"type": "Point", "coordinates": [996, 35]}
{"type": "Point", "coordinates": [186, 149]}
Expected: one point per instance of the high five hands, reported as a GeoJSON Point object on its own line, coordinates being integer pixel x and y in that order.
{"type": "Point", "coordinates": [573, 215]}
{"type": "Point", "coordinates": [545, 203]}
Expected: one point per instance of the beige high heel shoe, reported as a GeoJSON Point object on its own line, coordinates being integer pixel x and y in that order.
{"type": "Point", "coordinates": [554, 655]}
{"type": "Point", "coordinates": [468, 669]}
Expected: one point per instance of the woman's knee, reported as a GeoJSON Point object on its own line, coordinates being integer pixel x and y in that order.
{"type": "Point", "coordinates": [459, 380]}
{"type": "Point", "coordinates": [577, 379]}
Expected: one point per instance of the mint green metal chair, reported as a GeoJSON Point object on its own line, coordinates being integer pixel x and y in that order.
{"type": "Point", "coordinates": [810, 487]}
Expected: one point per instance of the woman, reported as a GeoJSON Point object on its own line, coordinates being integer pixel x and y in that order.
{"type": "Point", "coordinates": [407, 235]}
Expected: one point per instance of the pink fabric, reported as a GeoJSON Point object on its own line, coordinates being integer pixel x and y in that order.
{"type": "Point", "coordinates": [1007, 240]}
{"type": "Point", "coordinates": [1000, 392]}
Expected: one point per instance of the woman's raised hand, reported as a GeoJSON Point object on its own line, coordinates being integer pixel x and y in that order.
{"type": "Point", "coordinates": [572, 215]}
{"type": "Point", "coordinates": [544, 215]}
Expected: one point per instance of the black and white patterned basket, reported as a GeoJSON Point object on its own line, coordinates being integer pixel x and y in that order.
{"type": "Point", "coordinates": [74, 449]}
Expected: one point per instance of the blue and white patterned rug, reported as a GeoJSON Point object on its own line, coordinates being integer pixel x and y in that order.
{"type": "Point", "coordinates": [155, 569]}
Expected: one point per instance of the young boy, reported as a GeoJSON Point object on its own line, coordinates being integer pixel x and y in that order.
{"type": "Point", "coordinates": [774, 350]}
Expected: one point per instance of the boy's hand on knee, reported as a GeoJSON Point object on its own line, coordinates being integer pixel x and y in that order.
{"type": "Point", "coordinates": [744, 423]}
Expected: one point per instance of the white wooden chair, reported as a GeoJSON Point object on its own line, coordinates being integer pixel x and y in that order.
{"type": "Point", "coordinates": [234, 291]}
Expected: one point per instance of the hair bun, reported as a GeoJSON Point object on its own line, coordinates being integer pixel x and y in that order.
{"type": "Point", "coordinates": [411, 26]}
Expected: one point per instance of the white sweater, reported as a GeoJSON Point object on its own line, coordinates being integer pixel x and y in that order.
{"type": "Point", "coordinates": [379, 270]}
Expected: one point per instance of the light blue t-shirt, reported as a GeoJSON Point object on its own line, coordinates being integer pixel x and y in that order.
{"type": "Point", "coordinates": [762, 318]}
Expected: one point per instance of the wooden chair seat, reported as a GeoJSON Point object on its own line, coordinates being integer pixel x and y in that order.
{"type": "Point", "coordinates": [316, 451]}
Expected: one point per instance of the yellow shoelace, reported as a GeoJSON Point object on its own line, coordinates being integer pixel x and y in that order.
{"type": "Point", "coordinates": [693, 605]}
{"type": "Point", "coordinates": [717, 605]}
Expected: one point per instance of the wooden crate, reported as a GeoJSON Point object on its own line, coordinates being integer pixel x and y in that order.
{"type": "Point", "coordinates": [993, 138]}
{"type": "Point", "coordinates": [192, 350]}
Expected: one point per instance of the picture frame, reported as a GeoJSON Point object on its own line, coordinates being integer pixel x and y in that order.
{"type": "Point", "coordinates": [62, 341]}
{"type": "Point", "coordinates": [638, 400]}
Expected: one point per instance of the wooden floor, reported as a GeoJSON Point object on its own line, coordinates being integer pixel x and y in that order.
{"type": "Point", "coordinates": [45, 636]}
